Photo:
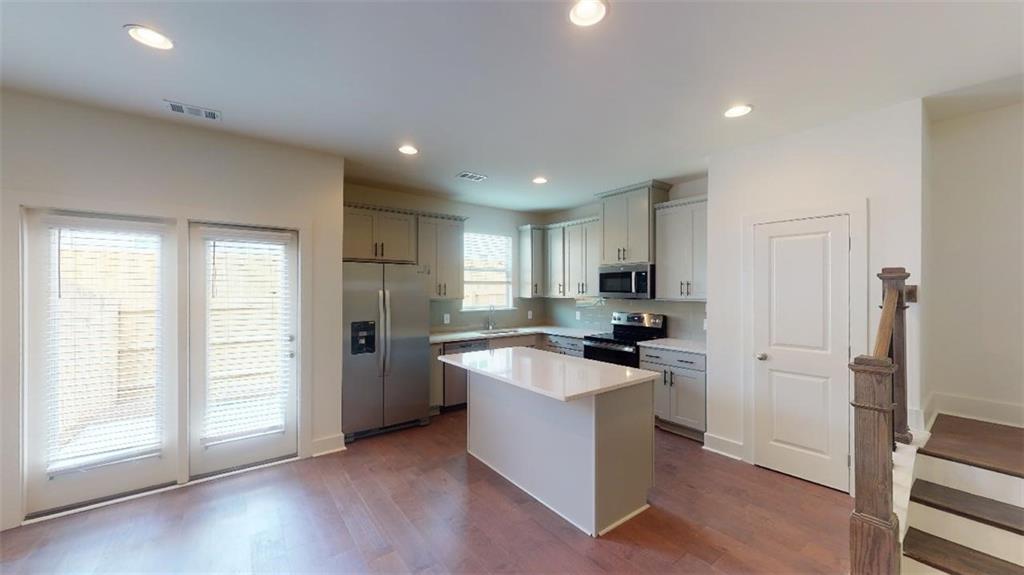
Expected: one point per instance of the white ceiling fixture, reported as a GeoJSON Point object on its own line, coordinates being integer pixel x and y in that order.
{"type": "Point", "coordinates": [587, 12]}
{"type": "Point", "coordinates": [540, 180]}
{"type": "Point", "coordinates": [738, 111]}
{"type": "Point", "coordinates": [148, 36]}
{"type": "Point", "coordinates": [408, 149]}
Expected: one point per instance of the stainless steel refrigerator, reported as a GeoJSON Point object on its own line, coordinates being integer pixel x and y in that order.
{"type": "Point", "coordinates": [386, 367]}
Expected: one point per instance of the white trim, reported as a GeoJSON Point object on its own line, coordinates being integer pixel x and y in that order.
{"type": "Point", "coordinates": [1002, 412]}
{"type": "Point", "coordinates": [857, 212]}
{"type": "Point", "coordinates": [327, 445]}
{"type": "Point", "coordinates": [624, 519]}
{"type": "Point", "coordinates": [701, 199]}
{"type": "Point", "coordinates": [722, 446]}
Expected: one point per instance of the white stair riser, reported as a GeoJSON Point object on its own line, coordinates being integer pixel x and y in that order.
{"type": "Point", "coordinates": [910, 567]}
{"type": "Point", "coordinates": [991, 484]}
{"type": "Point", "coordinates": [994, 541]}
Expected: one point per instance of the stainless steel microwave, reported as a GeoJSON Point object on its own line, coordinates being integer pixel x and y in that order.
{"type": "Point", "coordinates": [628, 281]}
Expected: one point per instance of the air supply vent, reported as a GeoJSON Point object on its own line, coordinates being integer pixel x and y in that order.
{"type": "Point", "coordinates": [193, 111]}
{"type": "Point", "coordinates": [471, 176]}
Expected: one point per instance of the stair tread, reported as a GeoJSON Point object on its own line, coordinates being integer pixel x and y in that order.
{"type": "Point", "coordinates": [982, 444]}
{"type": "Point", "coordinates": [952, 557]}
{"type": "Point", "coordinates": [975, 507]}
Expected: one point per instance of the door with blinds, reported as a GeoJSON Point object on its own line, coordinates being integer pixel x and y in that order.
{"type": "Point", "coordinates": [100, 371]}
{"type": "Point", "coordinates": [242, 323]}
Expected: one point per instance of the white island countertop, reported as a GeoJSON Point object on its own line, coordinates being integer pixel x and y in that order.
{"type": "Point", "coordinates": [553, 375]}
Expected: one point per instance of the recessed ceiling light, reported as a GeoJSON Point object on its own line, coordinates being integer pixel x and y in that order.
{"type": "Point", "coordinates": [408, 149]}
{"type": "Point", "coordinates": [540, 180]}
{"type": "Point", "coordinates": [737, 111]}
{"type": "Point", "coordinates": [149, 37]}
{"type": "Point", "coordinates": [587, 12]}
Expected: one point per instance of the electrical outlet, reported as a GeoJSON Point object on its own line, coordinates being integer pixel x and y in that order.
{"type": "Point", "coordinates": [529, 314]}
{"type": "Point", "coordinates": [579, 315]}
{"type": "Point", "coordinates": [447, 318]}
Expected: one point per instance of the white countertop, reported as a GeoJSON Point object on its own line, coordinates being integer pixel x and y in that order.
{"type": "Point", "coordinates": [554, 375]}
{"type": "Point", "coordinates": [671, 344]}
{"type": "Point", "coordinates": [451, 336]}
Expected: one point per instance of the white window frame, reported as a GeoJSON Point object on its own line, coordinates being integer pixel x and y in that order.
{"type": "Point", "coordinates": [510, 300]}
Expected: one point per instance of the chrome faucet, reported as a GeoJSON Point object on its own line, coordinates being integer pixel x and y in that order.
{"type": "Point", "coordinates": [489, 324]}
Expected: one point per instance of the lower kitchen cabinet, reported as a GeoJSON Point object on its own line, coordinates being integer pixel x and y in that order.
{"type": "Point", "coordinates": [563, 345]}
{"type": "Point", "coordinates": [680, 396]}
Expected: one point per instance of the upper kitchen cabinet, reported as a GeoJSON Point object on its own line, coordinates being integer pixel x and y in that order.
{"type": "Point", "coordinates": [582, 257]}
{"type": "Point", "coordinates": [379, 235]}
{"type": "Point", "coordinates": [441, 256]}
{"type": "Point", "coordinates": [555, 242]}
{"type": "Point", "coordinates": [682, 249]}
{"type": "Point", "coordinates": [627, 218]}
{"type": "Point", "coordinates": [532, 262]}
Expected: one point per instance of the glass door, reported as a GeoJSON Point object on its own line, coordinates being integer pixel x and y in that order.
{"type": "Point", "coordinates": [100, 377]}
{"type": "Point", "coordinates": [243, 328]}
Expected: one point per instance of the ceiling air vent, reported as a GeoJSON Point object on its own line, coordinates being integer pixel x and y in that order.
{"type": "Point", "coordinates": [471, 176]}
{"type": "Point", "coordinates": [193, 111]}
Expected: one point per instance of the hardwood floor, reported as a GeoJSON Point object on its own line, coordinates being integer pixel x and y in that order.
{"type": "Point", "coordinates": [413, 501]}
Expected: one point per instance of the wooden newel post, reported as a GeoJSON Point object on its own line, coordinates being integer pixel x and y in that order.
{"type": "Point", "coordinates": [874, 528]}
{"type": "Point", "coordinates": [896, 278]}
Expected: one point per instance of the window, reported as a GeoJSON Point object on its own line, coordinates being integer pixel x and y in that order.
{"type": "Point", "coordinates": [488, 272]}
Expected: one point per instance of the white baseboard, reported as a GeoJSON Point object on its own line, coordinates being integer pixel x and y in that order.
{"type": "Point", "coordinates": [723, 446]}
{"type": "Point", "coordinates": [329, 444]}
{"type": "Point", "coordinates": [977, 408]}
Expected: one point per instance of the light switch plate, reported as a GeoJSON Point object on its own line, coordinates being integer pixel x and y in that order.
{"type": "Point", "coordinates": [529, 314]}
{"type": "Point", "coordinates": [705, 324]}
{"type": "Point", "coordinates": [579, 315]}
{"type": "Point", "coordinates": [447, 318]}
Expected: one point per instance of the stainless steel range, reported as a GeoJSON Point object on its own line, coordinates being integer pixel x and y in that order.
{"type": "Point", "coordinates": [620, 345]}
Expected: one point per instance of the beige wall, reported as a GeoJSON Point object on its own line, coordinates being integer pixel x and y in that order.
{"type": "Point", "coordinates": [57, 154]}
{"type": "Point", "coordinates": [973, 346]}
{"type": "Point", "coordinates": [872, 160]}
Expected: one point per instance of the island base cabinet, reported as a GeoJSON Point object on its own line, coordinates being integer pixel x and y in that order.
{"type": "Point", "coordinates": [590, 460]}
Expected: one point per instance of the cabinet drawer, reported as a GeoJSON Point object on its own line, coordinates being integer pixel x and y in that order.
{"type": "Point", "coordinates": [564, 342]}
{"type": "Point", "coordinates": [680, 359]}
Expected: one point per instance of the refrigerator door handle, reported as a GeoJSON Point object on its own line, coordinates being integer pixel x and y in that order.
{"type": "Point", "coordinates": [387, 330]}
{"type": "Point", "coordinates": [381, 342]}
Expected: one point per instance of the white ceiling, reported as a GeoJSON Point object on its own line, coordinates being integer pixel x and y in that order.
{"type": "Point", "coordinates": [511, 89]}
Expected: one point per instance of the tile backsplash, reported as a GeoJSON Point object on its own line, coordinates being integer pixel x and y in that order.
{"type": "Point", "coordinates": [470, 320]}
{"type": "Point", "coordinates": [685, 319]}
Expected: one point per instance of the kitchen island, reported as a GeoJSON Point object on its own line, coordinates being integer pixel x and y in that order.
{"type": "Point", "coordinates": [575, 434]}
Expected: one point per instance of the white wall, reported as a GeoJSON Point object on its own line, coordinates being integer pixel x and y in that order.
{"type": "Point", "coordinates": [973, 349]}
{"type": "Point", "coordinates": [65, 155]}
{"type": "Point", "coordinates": [874, 157]}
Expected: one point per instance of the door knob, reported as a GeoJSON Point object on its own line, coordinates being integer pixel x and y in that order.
{"type": "Point", "coordinates": [761, 356]}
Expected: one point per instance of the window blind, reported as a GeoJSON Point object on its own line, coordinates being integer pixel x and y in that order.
{"type": "Point", "coordinates": [248, 339]}
{"type": "Point", "coordinates": [104, 350]}
{"type": "Point", "coordinates": [488, 271]}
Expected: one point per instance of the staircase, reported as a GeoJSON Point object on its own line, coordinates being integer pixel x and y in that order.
{"type": "Point", "coordinates": [966, 511]}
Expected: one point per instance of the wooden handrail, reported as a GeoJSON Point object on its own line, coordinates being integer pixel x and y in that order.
{"type": "Point", "coordinates": [885, 325]}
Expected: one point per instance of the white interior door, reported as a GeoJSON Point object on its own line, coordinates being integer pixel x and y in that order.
{"type": "Point", "coordinates": [100, 378]}
{"type": "Point", "coordinates": [243, 367]}
{"type": "Point", "coordinates": [802, 338]}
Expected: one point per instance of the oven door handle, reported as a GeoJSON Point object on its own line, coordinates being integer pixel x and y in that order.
{"type": "Point", "coordinates": [610, 346]}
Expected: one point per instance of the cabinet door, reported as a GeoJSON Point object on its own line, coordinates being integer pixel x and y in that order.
{"type": "Point", "coordinates": [699, 277]}
{"type": "Point", "coordinates": [395, 235]}
{"type": "Point", "coordinates": [614, 227]}
{"type": "Point", "coordinates": [575, 260]}
{"type": "Point", "coordinates": [556, 262]}
{"type": "Point", "coordinates": [450, 259]}
{"type": "Point", "coordinates": [531, 262]}
{"type": "Point", "coordinates": [426, 247]}
{"type": "Point", "coordinates": [592, 258]}
{"type": "Point", "coordinates": [358, 235]}
{"type": "Point", "coordinates": [436, 376]}
{"type": "Point", "coordinates": [638, 226]}
{"type": "Point", "coordinates": [673, 246]}
{"type": "Point", "coordinates": [662, 391]}
{"type": "Point", "coordinates": [538, 261]}
{"type": "Point", "coordinates": [688, 398]}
